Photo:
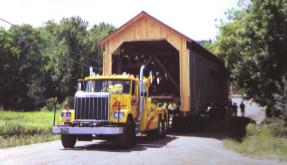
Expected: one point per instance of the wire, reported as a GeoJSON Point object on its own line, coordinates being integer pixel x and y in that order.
{"type": "Point", "coordinates": [7, 22]}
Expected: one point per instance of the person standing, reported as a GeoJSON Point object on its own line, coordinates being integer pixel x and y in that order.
{"type": "Point", "coordinates": [242, 109]}
{"type": "Point", "coordinates": [234, 107]}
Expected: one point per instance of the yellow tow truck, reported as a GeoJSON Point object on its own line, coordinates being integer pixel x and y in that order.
{"type": "Point", "coordinates": [113, 107]}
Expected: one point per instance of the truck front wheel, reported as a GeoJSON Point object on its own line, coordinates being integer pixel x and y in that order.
{"type": "Point", "coordinates": [127, 139]}
{"type": "Point", "coordinates": [68, 141]}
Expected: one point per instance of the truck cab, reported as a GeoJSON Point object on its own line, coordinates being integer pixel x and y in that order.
{"type": "Point", "coordinates": [113, 107]}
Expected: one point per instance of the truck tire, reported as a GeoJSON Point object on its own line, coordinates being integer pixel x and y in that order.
{"type": "Point", "coordinates": [174, 124]}
{"type": "Point", "coordinates": [127, 139]}
{"type": "Point", "coordinates": [168, 119]}
{"type": "Point", "coordinates": [161, 129]}
{"type": "Point", "coordinates": [165, 126]}
{"type": "Point", "coordinates": [68, 141]}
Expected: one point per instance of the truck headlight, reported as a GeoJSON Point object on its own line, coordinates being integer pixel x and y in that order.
{"type": "Point", "coordinates": [66, 114]}
{"type": "Point", "coordinates": [119, 114]}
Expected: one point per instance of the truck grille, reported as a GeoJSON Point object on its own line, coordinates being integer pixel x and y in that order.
{"type": "Point", "coordinates": [92, 108]}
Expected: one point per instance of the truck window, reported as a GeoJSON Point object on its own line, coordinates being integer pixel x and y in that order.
{"type": "Point", "coordinates": [111, 86]}
{"type": "Point", "coordinates": [126, 86]}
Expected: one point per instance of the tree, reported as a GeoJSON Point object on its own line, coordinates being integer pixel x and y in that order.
{"type": "Point", "coordinates": [97, 33]}
{"type": "Point", "coordinates": [65, 46]}
{"type": "Point", "coordinates": [253, 44]}
{"type": "Point", "coordinates": [21, 77]}
{"type": "Point", "coordinates": [72, 49]}
{"type": "Point", "coordinates": [6, 69]}
{"type": "Point", "coordinates": [40, 63]}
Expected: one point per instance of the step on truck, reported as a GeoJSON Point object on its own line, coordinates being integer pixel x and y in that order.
{"type": "Point", "coordinates": [114, 107]}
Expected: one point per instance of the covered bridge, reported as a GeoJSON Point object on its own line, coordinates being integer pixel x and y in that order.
{"type": "Point", "coordinates": [166, 52]}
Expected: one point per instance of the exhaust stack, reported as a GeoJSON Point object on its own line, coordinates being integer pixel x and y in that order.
{"type": "Point", "coordinates": [142, 90]}
{"type": "Point", "coordinates": [91, 71]}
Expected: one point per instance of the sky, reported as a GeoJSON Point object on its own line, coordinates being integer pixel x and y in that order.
{"type": "Point", "coordinates": [194, 18]}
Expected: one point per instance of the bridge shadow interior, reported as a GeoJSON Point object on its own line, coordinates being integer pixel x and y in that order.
{"type": "Point", "coordinates": [142, 143]}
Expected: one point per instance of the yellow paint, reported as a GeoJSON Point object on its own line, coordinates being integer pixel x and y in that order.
{"type": "Point", "coordinates": [120, 102]}
{"type": "Point", "coordinates": [149, 116]}
{"type": "Point", "coordinates": [127, 104]}
{"type": "Point", "coordinates": [63, 120]}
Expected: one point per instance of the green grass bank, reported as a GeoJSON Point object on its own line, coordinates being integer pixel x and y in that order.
{"type": "Point", "coordinates": [22, 128]}
{"type": "Point", "coordinates": [267, 140]}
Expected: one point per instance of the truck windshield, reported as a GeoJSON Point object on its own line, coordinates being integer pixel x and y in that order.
{"type": "Point", "coordinates": [111, 86]}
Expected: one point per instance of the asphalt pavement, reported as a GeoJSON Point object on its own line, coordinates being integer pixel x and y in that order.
{"type": "Point", "coordinates": [172, 150]}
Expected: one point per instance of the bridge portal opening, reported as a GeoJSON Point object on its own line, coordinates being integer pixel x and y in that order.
{"type": "Point", "coordinates": [160, 58]}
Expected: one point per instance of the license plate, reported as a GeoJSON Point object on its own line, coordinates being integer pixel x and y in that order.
{"type": "Point", "coordinates": [64, 130]}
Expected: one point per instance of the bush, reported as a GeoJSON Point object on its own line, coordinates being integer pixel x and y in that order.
{"type": "Point", "coordinates": [277, 126]}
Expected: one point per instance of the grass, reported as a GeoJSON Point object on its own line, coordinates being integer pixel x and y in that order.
{"type": "Point", "coordinates": [12, 141]}
{"type": "Point", "coordinates": [21, 128]}
{"type": "Point", "coordinates": [262, 141]}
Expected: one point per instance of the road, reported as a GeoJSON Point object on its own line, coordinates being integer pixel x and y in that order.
{"type": "Point", "coordinates": [172, 150]}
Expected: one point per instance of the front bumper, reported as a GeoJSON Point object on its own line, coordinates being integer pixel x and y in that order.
{"type": "Point", "coordinates": [87, 130]}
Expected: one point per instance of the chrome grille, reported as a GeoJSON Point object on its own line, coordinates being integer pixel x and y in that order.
{"type": "Point", "coordinates": [92, 108]}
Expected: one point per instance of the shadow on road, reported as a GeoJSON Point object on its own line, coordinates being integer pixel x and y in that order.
{"type": "Point", "coordinates": [142, 143]}
{"type": "Point", "coordinates": [236, 130]}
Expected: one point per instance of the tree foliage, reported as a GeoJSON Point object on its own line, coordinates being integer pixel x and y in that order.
{"type": "Point", "coordinates": [253, 45]}
{"type": "Point", "coordinates": [21, 74]}
{"type": "Point", "coordinates": [40, 63]}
